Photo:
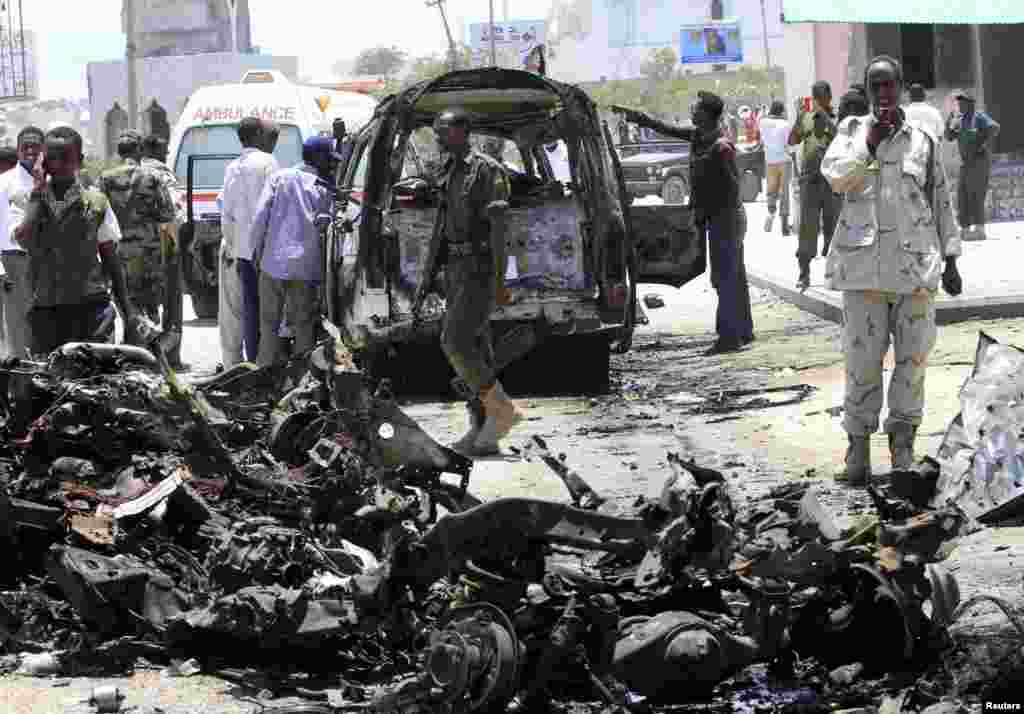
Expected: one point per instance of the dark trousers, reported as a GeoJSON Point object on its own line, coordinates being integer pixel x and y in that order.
{"type": "Point", "coordinates": [249, 279]}
{"type": "Point", "coordinates": [466, 331]}
{"type": "Point", "coordinates": [733, 319]}
{"type": "Point", "coordinates": [819, 210]}
{"type": "Point", "coordinates": [971, 190]}
{"type": "Point", "coordinates": [54, 326]}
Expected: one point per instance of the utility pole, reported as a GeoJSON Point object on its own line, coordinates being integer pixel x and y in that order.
{"type": "Point", "coordinates": [764, 36]}
{"type": "Point", "coordinates": [453, 55]}
{"type": "Point", "coordinates": [494, 49]}
{"type": "Point", "coordinates": [133, 79]}
{"type": "Point", "coordinates": [233, 18]}
{"type": "Point", "coordinates": [979, 68]}
{"type": "Point", "coordinates": [24, 51]}
{"type": "Point", "coordinates": [717, 12]}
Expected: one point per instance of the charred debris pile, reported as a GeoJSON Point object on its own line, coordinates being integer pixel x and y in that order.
{"type": "Point", "coordinates": [320, 538]}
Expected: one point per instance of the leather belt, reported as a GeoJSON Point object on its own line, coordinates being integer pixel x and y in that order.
{"type": "Point", "coordinates": [468, 250]}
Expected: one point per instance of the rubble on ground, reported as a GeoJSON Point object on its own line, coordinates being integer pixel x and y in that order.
{"type": "Point", "coordinates": [295, 523]}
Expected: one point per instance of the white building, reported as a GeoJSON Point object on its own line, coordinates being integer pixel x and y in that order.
{"type": "Point", "coordinates": [165, 84]}
{"type": "Point", "coordinates": [181, 45]}
{"type": "Point", "coordinates": [591, 40]}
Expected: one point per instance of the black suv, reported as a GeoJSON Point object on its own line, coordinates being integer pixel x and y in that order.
{"type": "Point", "coordinates": [661, 167]}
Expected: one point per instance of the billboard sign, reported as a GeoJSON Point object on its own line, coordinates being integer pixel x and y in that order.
{"type": "Point", "coordinates": [716, 42]}
{"type": "Point", "coordinates": [513, 41]}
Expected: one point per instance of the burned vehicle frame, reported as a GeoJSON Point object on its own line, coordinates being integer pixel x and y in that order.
{"type": "Point", "coordinates": [579, 247]}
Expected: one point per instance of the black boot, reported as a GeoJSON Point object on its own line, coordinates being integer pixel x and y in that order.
{"type": "Point", "coordinates": [786, 229]}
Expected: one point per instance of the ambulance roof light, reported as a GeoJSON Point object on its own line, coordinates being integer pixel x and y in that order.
{"type": "Point", "coordinates": [264, 76]}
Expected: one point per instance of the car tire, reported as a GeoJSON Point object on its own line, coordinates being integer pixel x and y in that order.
{"type": "Point", "coordinates": [205, 303]}
{"type": "Point", "coordinates": [675, 190]}
{"type": "Point", "coordinates": [750, 186]}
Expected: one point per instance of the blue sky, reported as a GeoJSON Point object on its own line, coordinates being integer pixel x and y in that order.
{"type": "Point", "coordinates": [75, 32]}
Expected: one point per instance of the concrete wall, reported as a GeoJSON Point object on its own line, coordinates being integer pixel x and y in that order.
{"type": "Point", "coordinates": [170, 81]}
{"type": "Point", "coordinates": [799, 61]}
{"type": "Point", "coordinates": [831, 57]}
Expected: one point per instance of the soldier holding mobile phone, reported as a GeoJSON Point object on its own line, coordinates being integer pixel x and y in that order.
{"type": "Point", "coordinates": [70, 234]}
{"type": "Point", "coordinates": [896, 242]}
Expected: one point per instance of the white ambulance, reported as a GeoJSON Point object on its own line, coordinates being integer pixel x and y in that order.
{"type": "Point", "coordinates": [207, 129]}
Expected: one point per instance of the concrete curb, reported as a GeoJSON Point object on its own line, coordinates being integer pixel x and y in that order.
{"type": "Point", "coordinates": [817, 302]}
{"type": "Point", "coordinates": [948, 311]}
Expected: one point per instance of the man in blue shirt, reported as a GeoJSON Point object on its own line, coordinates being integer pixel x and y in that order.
{"type": "Point", "coordinates": [285, 239]}
{"type": "Point", "coordinates": [975, 132]}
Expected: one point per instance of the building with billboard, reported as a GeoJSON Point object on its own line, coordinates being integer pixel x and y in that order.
{"type": "Point", "coordinates": [594, 40]}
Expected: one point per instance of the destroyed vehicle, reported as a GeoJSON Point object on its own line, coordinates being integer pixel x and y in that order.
{"type": "Point", "coordinates": [577, 249]}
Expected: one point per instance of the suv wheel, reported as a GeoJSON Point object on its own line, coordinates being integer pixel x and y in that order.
{"type": "Point", "coordinates": [675, 190]}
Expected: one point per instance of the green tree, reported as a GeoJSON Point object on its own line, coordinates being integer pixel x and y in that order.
{"type": "Point", "coordinates": [380, 61]}
{"type": "Point", "coordinates": [660, 65]}
{"type": "Point", "coordinates": [428, 67]}
{"type": "Point", "coordinates": [671, 98]}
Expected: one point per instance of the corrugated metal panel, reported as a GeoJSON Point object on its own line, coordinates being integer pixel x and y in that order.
{"type": "Point", "coordinates": [938, 12]}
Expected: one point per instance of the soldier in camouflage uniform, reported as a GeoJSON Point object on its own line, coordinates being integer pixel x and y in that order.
{"type": "Point", "coordinates": [142, 203]}
{"type": "Point", "coordinates": [154, 158]}
{"type": "Point", "coordinates": [819, 206]}
{"type": "Point", "coordinates": [894, 236]}
{"type": "Point", "coordinates": [475, 192]}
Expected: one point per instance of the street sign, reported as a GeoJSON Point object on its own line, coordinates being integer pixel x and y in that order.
{"type": "Point", "coordinates": [513, 41]}
{"type": "Point", "coordinates": [713, 42]}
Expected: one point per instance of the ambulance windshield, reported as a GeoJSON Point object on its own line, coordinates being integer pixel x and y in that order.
{"type": "Point", "coordinates": [223, 139]}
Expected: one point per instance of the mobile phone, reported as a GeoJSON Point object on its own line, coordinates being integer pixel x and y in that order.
{"type": "Point", "coordinates": [808, 104]}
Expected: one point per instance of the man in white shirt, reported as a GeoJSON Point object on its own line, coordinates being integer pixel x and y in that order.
{"type": "Point", "coordinates": [775, 137]}
{"type": "Point", "coordinates": [922, 114]}
{"type": "Point", "coordinates": [15, 187]}
{"type": "Point", "coordinates": [244, 179]}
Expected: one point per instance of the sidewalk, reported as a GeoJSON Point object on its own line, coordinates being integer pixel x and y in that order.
{"type": "Point", "coordinates": [991, 269]}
